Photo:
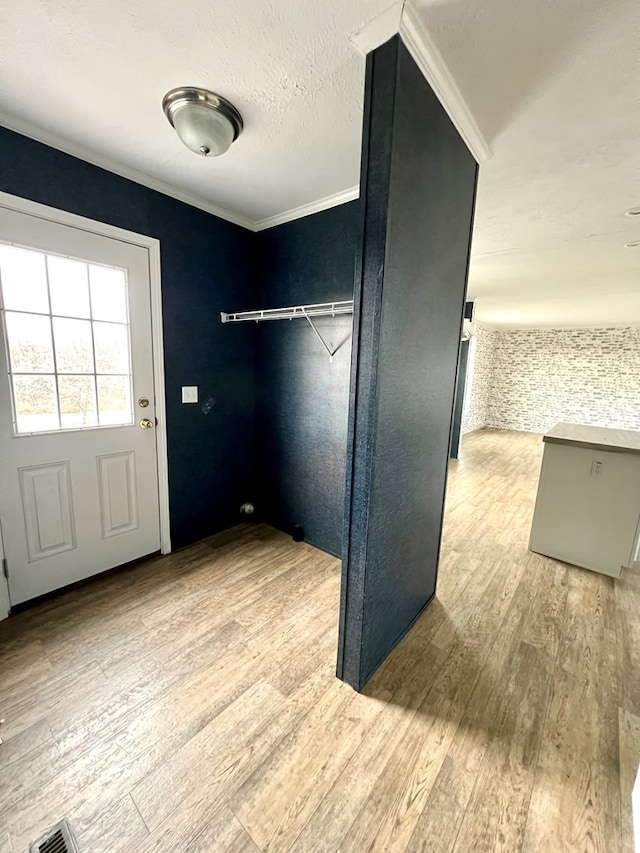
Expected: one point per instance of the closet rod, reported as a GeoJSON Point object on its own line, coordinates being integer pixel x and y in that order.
{"type": "Point", "coordinates": [320, 309]}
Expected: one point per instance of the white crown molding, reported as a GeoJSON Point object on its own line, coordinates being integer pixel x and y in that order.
{"type": "Point", "coordinates": [60, 144]}
{"type": "Point", "coordinates": [307, 209]}
{"type": "Point", "coordinates": [378, 30]}
{"type": "Point", "coordinates": [429, 59]}
{"type": "Point", "coordinates": [54, 141]}
{"type": "Point", "coordinates": [403, 17]}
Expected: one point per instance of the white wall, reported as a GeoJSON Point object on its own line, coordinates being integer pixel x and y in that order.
{"type": "Point", "coordinates": [529, 379]}
{"type": "Point", "coordinates": [5, 604]}
{"type": "Point", "coordinates": [4, 600]}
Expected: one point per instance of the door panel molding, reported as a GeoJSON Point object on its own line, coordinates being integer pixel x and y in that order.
{"type": "Point", "coordinates": [152, 245]}
{"type": "Point", "coordinates": [118, 492]}
{"type": "Point", "coordinates": [48, 509]}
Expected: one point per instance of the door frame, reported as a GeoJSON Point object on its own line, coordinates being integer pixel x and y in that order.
{"type": "Point", "coordinates": [152, 245]}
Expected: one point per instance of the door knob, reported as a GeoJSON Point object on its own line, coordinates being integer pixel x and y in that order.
{"type": "Point", "coordinates": [145, 423]}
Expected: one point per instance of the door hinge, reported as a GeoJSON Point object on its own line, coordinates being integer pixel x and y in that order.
{"type": "Point", "coordinates": [5, 568]}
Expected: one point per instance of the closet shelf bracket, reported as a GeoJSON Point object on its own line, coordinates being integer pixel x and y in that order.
{"type": "Point", "coordinates": [319, 309]}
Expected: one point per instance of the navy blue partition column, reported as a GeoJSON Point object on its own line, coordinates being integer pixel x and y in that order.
{"type": "Point", "coordinates": [418, 180]}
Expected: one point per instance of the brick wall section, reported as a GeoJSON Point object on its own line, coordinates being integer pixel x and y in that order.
{"type": "Point", "coordinates": [476, 414]}
{"type": "Point", "coordinates": [529, 379]}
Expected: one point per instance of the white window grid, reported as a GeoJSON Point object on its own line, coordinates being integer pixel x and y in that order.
{"type": "Point", "coordinates": [55, 374]}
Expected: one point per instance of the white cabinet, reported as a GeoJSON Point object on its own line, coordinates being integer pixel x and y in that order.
{"type": "Point", "coordinates": [588, 505]}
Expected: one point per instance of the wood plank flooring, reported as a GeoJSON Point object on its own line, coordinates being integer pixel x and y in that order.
{"type": "Point", "coordinates": [190, 703]}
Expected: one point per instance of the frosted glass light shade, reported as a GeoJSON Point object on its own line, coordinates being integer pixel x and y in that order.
{"type": "Point", "coordinates": [205, 122]}
{"type": "Point", "coordinates": [202, 130]}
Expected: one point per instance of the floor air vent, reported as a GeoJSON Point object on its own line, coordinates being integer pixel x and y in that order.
{"type": "Point", "coordinates": [58, 839]}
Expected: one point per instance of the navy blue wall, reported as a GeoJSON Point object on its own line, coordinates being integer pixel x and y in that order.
{"type": "Point", "coordinates": [461, 381]}
{"type": "Point", "coordinates": [207, 266]}
{"type": "Point", "coordinates": [303, 399]}
{"type": "Point", "coordinates": [418, 184]}
{"type": "Point", "coordinates": [458, 406]}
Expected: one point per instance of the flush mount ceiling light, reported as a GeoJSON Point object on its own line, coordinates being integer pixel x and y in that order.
{"type": "Point", "coordinates": [204, 121]}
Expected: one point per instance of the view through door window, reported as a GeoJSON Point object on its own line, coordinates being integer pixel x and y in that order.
{"type": "Point", "coordinates": [66, 329]}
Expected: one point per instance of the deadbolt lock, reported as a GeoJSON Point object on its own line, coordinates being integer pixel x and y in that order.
{"type": "Point", "coordinates": [143, 402]}
{"type": "Point", "coordinates": [145, 423]}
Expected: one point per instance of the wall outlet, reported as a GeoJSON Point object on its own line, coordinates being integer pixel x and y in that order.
{"type": "Point", "coordinates": [596, 470]}
{"type": "Point", "coordinates": [189, 393]}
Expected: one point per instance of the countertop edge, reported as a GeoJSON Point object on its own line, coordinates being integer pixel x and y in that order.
{"type": "Point", "coordinates": [590, 445]}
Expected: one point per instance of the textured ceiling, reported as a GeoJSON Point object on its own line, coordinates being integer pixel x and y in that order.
{"type": "Point", "coordinates": [95, 74]}
{"type": "Point", "coordinates": [553, 87]}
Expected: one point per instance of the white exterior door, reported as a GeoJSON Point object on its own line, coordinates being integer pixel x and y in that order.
{"type": "Point", "coordinates": [78, 464]}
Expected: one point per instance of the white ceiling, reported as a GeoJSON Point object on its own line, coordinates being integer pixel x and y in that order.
{"type": "Point", "coordinates": [553, 87]}
{"type": "Point", "coordinates": [95, 74]}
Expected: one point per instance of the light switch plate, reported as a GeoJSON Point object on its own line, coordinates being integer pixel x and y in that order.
{"type": "Point", "coordinates": [189, 393]}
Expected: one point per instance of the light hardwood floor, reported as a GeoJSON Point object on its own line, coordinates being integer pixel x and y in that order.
{"type": "Point", "coordinates": [190, 703]}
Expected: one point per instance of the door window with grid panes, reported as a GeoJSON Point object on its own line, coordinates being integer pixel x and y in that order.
{"type": "Point", "coordinates": [68, 345]}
